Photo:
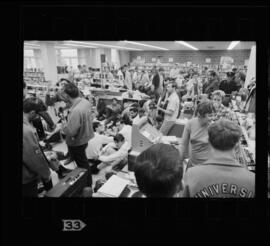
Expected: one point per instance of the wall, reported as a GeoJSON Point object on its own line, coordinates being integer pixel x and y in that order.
{"type": "Point", "coordinates": [115, 58]}
{"type": "Point", "coordinates": [196, 57]}
{"type": "Point", "coordinates": [124, 57]}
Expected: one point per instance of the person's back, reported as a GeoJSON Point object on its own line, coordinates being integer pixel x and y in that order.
{"type": "Point", "coordinates": [221, 175]}
{"type": "Point", "coordinates": [219, 180]}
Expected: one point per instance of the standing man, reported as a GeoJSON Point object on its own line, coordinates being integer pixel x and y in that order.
{"type": "Point", "coordinates": [212, 84]}
{"type": "Point", "coordinates": [172, 109]}
{"type": "Point", "coordinates": [157, 83]}
{"type": "Point", "coordinates": [78, 129]}
{"type": "Point", "coordinates": [229, 85]}
{"type": "Point", "coordinates": [128, 80]}
{"type": "Point", "coordinates": [35, 165]}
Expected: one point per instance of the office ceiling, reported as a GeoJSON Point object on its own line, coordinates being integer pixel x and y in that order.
{"type": "Point", "coordinates": [122, 45]}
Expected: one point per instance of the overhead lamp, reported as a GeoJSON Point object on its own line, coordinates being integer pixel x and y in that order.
{"type": "Point", "coordinates": [80, 45]}
{"type": "Point", "coordinates": [146, 45]}
{"type": "Point", "coordinates": [104, 45]}
{"type": "Point", "coordinates": [60, 47]}
{"type": "Point", "coordinates": [233, 44]}
{"type": "Point", "coordinates": [29, 44]}
{"type": "Point", "coordinates": [187, 45]}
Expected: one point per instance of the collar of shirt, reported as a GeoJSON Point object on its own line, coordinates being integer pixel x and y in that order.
{"type": "Point", "coordinates": [221, 159]}
{"type": "Point", "coordinates": [76, 102]}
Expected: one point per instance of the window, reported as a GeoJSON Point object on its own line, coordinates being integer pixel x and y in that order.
{"type": "Point", "coordinates": [68, 57]}
{"type": "Point", "coordinates": [29, 59]}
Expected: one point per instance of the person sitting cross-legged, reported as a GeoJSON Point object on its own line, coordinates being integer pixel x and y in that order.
{"type": "Point", "coordinates": [114, 155]}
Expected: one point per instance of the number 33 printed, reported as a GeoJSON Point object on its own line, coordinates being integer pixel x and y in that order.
{"type": "Point", "coordinates": [73, 225]}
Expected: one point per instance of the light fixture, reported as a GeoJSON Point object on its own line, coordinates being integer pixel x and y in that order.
{"type": "Point", "coordinates": [105, 45]}
{"type": "Point", "coordinates": [29, 44]}
{"type": "Point", "coordinates": [146, 45]}
{"type": "Point", "coordinates": [233, 44]}
{"type": "Point", "coordinates": [79, 45]}
{"type": "Point", "coordinates": [187, 45]}
{"type": "Point", "coordinates": [60, 47]}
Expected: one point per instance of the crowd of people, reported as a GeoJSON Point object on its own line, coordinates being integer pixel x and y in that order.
{"type": "Point", "coordinates": [101, 139]}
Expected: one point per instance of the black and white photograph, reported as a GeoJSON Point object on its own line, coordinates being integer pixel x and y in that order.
{"type": "Point", "coordinates": [139, 119]}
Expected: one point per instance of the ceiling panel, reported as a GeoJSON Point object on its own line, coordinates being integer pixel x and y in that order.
{"type": "Point", "coordinates": [163, 44]}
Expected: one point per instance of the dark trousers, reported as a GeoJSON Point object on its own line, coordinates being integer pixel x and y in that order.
{"type": "Point", "coordinates": [30, 189]}
{"type": "Point", "coordinates": [78, 154]}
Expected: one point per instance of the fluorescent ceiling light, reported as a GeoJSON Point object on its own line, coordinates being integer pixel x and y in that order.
{"type": "Point", "coordinates": [29, 44]}
{"type": "Point", "coordinates": [187, 45]}
{"type": "Point", "coordinates": [79, 45]}
{"type": "Point", "coordinates": [233, 44]}
{"type": "Point", "coordinates": [105, 45]}
{"type": "Point", "coordinates": [60, 47]}
{"type": "Point", "coordinates": [146, 45]}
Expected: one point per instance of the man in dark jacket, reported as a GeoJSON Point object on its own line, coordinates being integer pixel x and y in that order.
{"type": "Point", "coordinates": [229, 85]}
{"type": "Point", "coordinates": [35, 165]}
{"type": "Point", "coordinates": [212, 84]}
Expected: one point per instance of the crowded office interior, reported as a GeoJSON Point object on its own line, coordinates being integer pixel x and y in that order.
{"type": "Point", "coordinates": [138, 119]}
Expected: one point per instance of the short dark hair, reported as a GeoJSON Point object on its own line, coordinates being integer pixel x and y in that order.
{"type": "Point", "coordinates": [95, 125]}
{"type": "Point", "coordinates": [71, 90]}
{"type": "Point", "coordinates": [224, 134]}
{"type": "Point", "coordinates": [226, 101]}
{"type": "Point", "coordinates": [33, 103]}
{"type": "Point", "coordinates": [134, 109]}
{"type": "Point", "coordinates": [125, 120]}
{"type": "Point", "coordinates": [212, 73]}
{"type": "Point", "coordinates": [230, 74]}
{"type": "Point", "coordinates": [141, 110]}
{"type": "Point", "coordinates": [174, 85]}
{"type": "Point", "coordinates": [158, 171]}
{"type": "Point", "coordinates": [205, 107]}
{"type": "Point", "coordinates": [118, 138]}
{"type": "Point", "coordinates": [242, 76]}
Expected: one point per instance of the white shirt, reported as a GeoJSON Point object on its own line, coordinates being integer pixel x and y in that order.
{"type": "Point", "coordinates": [126, 132]}
{"type": "Point", "coordinates": [95, 144]}
{"type": "Point", "coordinates": [121, 153]}
{"type": "Point", "coordinates": [128, 81]}
{"type": "Point", "coordinates": [174, 72]}
{"type": "Point", "coordinates": [136, 119]}
{"type": "Point", "coordinates": [174, 104]}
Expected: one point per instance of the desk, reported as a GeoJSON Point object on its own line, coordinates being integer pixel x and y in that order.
{"type": "Point", "coordinates": [132, 186]}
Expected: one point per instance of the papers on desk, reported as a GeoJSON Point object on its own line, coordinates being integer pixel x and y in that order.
{"type": "Point", "coordinates": [114, 186]}
{"type": "Point", "coordinates": [169, 139]}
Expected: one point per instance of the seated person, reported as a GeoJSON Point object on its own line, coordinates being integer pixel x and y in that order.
{"type": "Point", "coordinates": [134, 115]}
{"type": "Point", "coordinates": [95, 145]}
{"type": "Point", "coordinates": [152, 99]}
{"type": "Point", "coordinates": [152, 115]}
{"type": "Point", "coordinates": [125, 129]}
{"type": "Point", "coordinates": [114, 154]}
{"type": "Point", "coordinates": [158, 171]}
{"type": "Point", "coordinates": [221, 110]}
{"type": "Point", "coordinates": [112, 111]}
{"type": "Point", "coordinates": [221, 175]}
{"type": "Point", "coordinates": [141, 112]}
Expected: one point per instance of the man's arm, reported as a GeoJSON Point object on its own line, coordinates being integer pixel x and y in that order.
{"type": "Point", "coordinates": [121, 153]}
{"type": "Point", "coordinates": [33, 157]}
{"type": "Point", "coordinates": [72, 126]}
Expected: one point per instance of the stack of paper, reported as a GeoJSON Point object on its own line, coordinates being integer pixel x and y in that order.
{"type": "Point", "coordinates": [114, 186]}
{"type": "Point", "coordinates": [169, 139]}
